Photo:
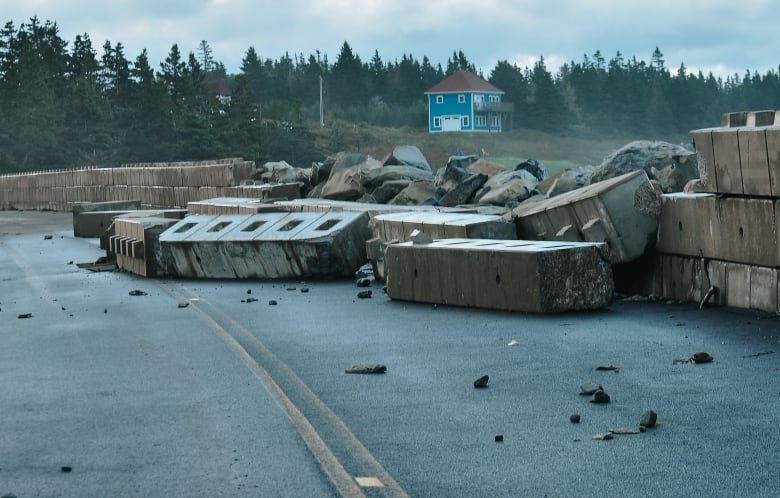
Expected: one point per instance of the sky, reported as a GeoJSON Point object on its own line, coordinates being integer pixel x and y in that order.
{"type": "Point", "coordinates": [719, 36]}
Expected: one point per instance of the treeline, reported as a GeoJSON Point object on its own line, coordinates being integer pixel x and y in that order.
{"type": "Point", "coordinates": [62, 104]}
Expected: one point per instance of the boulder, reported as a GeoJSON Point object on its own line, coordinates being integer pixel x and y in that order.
{"type": "Point", "coordinates": [416, 194]}
{"type": "Point", "coordinates": [507, 186]}
{"type": "Point", "coordinates": [464, 191]}
{"type": "Point", "coordinates": [371, 178]}
{"type": "Point", "coordinates": [282, 172]}
{"type": "Point", "coordinates": [388, 190]}
{"type": "Point", "coordinates": [450, 176]}
{"type": "Point", "coordinates": [344, 182]}
{"type": "Point", "coordinates": [653, 157]}
{"type": "Point", "coordinates": [534, 167]}
{"type": "Point", "coordinates": [462, 162]}
{"type": "Point", "coordinates": [566, 181]}
{"type": "Point", "coordinates": [486, 168]}
{"type": "Point", "coordinates": [407, 155]}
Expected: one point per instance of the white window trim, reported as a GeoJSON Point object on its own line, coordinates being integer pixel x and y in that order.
{"type": "Point", "coordinates": [440, 99]}
{"type": "Point", "coordinates": [480, 121]}
{"type": "Point", "coordinates": [464, 121]}
{"type": "Point", "coordinates": [461, 99]}
{"type": "Point", "coordinates": [494, 121]}
{"type": "Point", "coordinates": [436, 122]}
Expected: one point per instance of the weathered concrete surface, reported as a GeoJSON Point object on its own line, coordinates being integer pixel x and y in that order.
{"type": "Point", "coordinates": [742, 230]}
{"type": "Point", "coordinates": [119, 205]}
{"type": "Point", "coordinates": [135, 243]}
{"type": "Point", "coordinates": [529, 276]}
{"type": "Point", "coordinates": [688, 279]}
{"type": "Point", "coordinates": [622, 211]}
{"type": "Point", "coordinates": [232, 205]}
{"type": "Point", "coordinates": [399, 226]}
{"type": "Point", "coordinates": [93, 223]}
{"type": "Point", "coordinates": [407, 155]}
{"type": "Point", "coordinates": [344, 182]}
{"type": "Point", "coordinates": [266, 246]}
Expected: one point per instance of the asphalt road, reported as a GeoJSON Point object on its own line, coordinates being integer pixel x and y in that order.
{"type": "Point", "coordinates": [139, 397]}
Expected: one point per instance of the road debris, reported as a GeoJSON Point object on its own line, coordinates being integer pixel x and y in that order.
{"type": "Point", "coordinates": [184, 304]}
{"type": "Point", "coordinates": [482, 382]}
{"type": "Point", "coordinates": [608, 368]}
{"type": "Point", "coordinates": [759, 354]}
{"type": "Point", "coordinates": [575, 418]}
{"type": "Point", "coordinates": [499, 438]}
{"type": "Point", "coordinates": [588, 388]}
{"type": "Point", "coordinates": [600, 397]}
{"type": "Point", "coordinates": [366, 369]}
{"type": "Point", "coordinates": [649, 419]}
{"type": "Point", "coordinates": [272, 302]}
{"type": "Point", "coordinates": [603, 436]}
{"type": "Point", "coordinates": [364, 282]}
{"type": "Point", "coordinates": [700, 357]}
{"type": "Point", "coordinates": [364, 294]}
{"type": "Point", "coordinates": [47, 237]}
{"type": "Point", "coordinates": [25, 315]}
{"type": "Point", "coordinates": [513, 343]}
{"type": "Point", "coordinates": [137, 292]}
{"type": "Point", "coordinates": [624, 431]}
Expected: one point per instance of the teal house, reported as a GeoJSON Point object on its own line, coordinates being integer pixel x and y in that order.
{"type": "Point", "coordinates": [464, 102]}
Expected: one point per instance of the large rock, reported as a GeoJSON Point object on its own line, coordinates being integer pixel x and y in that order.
{"type": "Point", "coordinates": [507, 186]}
{"type": "Point", "coordinates": [652, 157]}
{"type": "Point", "coordinates": [462, 162]}
{"type": "Point", "coordinates": [485, 167]}
{"type": "Point", "coordinates": [464, 191]}
{"type": "Point", "coordinates": [344, 182]}
{"type": "Point", "coordinates": [534, 167]}
{"type": "Point", "coordinates": [416, 194]}
{"type": "Point", "coordinates": [388, 190]}
{"type": "Point", "coordinates": [407, 155]}
{"type": "Point", "coordinates": [374, 177]}
{"type": "Point", "coordinates": [567, 180]}
{"type": "Point", "coordinates": [282, 172]}
{"type": "Point", "coordinates": [450, 176]}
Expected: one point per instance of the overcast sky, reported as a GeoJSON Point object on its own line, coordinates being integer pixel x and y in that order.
{"type": "Point", "coordinates": [722, 36]}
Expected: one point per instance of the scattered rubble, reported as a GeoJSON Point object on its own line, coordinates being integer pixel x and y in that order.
{"type": "Point", "coordinates": [575, 418]}
{"type": "Point", "coordinates": [624, 431]}
{"type": "Point", "coordinates": [499, 438]}
{"type": "Point", "coordinates": [600, 397]}
{"type": "Point", "coordinates": [366, 294]}
{"type": "Point", "coordinates": [272, 302]}
{"type": "Point", "coordinates": [364, 282]}
{"type": "Point", "coordinates": [137, 292]}
{"type": "Point", "coordinates": [649, 419]}
{"type": "Point", "coordinates": [25, 315]}
{"type": "Point", "coordinates": [608, 368]}
{"type": "Point", "coordinates": [183, 304]}
{"type": "Point", "coordinates": [366, 369]}
{"type": "Point", "coordinates": [603, 436]}
{"type": "Point", "coordinates": [588, 388]}
{"type": "Point", "coordinates": [482, 382]}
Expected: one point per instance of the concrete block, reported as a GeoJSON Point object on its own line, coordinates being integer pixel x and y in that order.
{"type": "Point", "coordinates": [528, 276]}
{"type": "Point", "coordinates": [772, 134]}
{"type": "Point", "coordinates": [266, 245]}
{"type": "Point", "coordinates": [688, 225]}
{"type": "Point", "coordinates": [763, 288]}
{"type": "Point", "coordinates": [737, 290]}
{"type": "Point", "coordinates": [627, 207]}
{"type": "Point", "coordinates": [725, 145]}
{"type": "Point", "coordinates": [136, 243]}
{"type": "Point", "coordinates": [754, 160]}
{"type": "Point", "coordinates": [399, 226]}
{"type": "Point", "coordinates": [93, 223]}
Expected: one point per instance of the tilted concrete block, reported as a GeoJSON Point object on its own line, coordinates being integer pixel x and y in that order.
{"type": "Point", "coordinates": [625, 207]}
{"type": "Point", "coordinates": [399, 226]}
{"type": "Point", "coordinates": [266, 245]}
{"type": "Point", "coordinates": [530, 276]}
{"type": "Point", "coordinates": [135, 243]}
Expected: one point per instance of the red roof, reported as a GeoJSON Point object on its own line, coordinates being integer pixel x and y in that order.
{"type": "Point", "coordinates": [463, 81]}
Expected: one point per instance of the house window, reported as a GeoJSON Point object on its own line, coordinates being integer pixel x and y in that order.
{"type": "Point", "coordinates": [461, 99]}
{"type": "Point", "coordinates": [440, 99]}
{"type": "Point", "coordinates": [465, 121]}
{"type": "Point", "coordinates": [437, 122]}
{"type": "Point", "coordinates": [495, 98]}
{"type": "Point", "coordinates": [480, 121]}
{"type": "Point", "coordinates": [494, 121]}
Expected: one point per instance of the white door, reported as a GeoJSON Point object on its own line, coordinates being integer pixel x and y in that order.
{"type": "Point", "coordinates": [450, 123]}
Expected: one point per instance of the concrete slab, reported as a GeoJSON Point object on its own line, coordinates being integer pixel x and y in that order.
{"type": "Point", "coordinates": [266, 246]}
{"type": "Point", "coordinates": [136, 244]}
{"type": "Point", "coordinates": [399, 226]}
{"type": "Point", "coordinates": [725, 145]}
{"type": "Point", "coordinates": [529, 276]}
{"type": "Point", "coordinates": [626, 206]}
{"type": "Point", "coordinates": [754, 161]}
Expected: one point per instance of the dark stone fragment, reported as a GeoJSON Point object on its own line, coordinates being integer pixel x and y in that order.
{"type": "Point", "coordinates": [184, 304]}
{"type": "Point", "coordinates": [575, 419]}
{"type": "Point", "coordinates": [66, 469]}
{"type": "Point", "coordinates": [137, 293]}
{"type": "Point", "coordinates": [290, 288]}
{"type": "Point", "coordinates": [25, 315]}
{"type": "Point", "coordinates": [701, 357]}
{"type": "Point", "coordinates": [249, 291]}
{"type": "Point", "coordinates": [600, 397]}
{"type": "Point", "coordinates": [482, 381]}
{"type": "Point", "coordinates": [272, 302]}
{"type": "Point", "coordinates": [304, 290]}
{"type": "Point", "coordinates": [364, 294]}
{"type": "Point", "coordinates": [364, 282]}
{"type": "Point", "coordinates": [499, 438]}
{"type": "Point", "coordinates": [47, 237]}
{"type": "Point", "coordinates": [251, 299]}
{"type": "Point", "coordinates": [366, 369]}
{"type": "Point", "coordinates": [649, 419]}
